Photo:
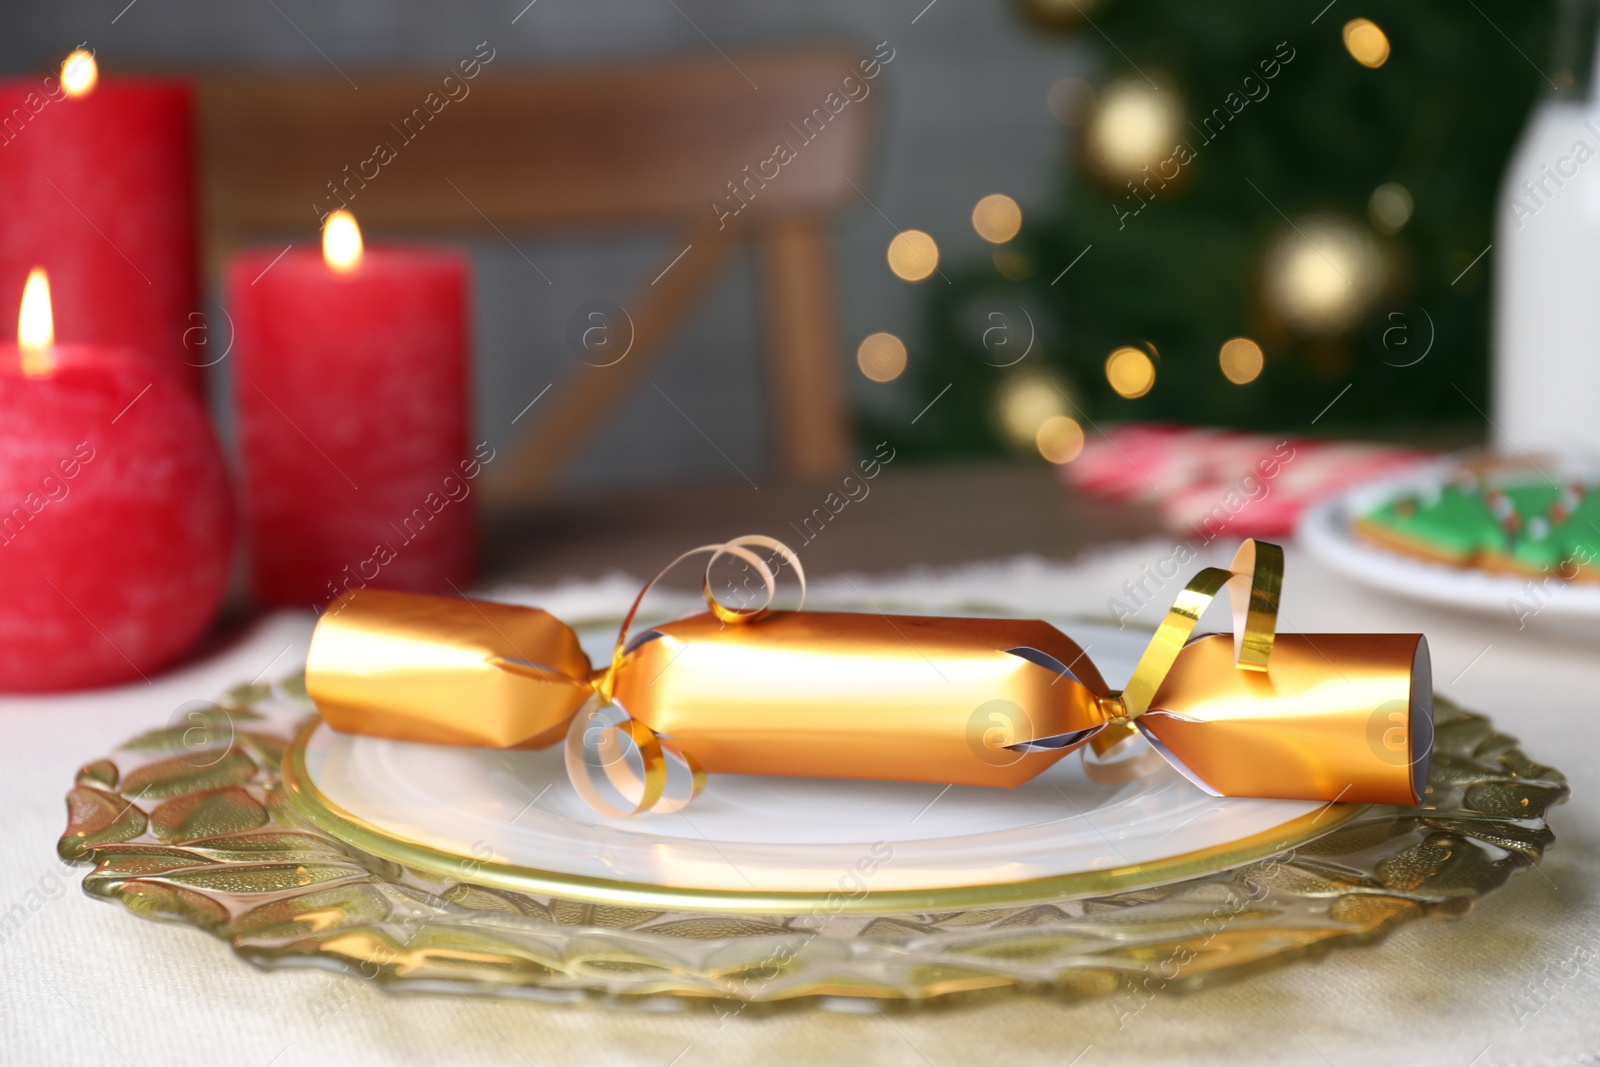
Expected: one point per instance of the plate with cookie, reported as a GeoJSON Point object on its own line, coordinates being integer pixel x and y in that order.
{"type": "Point", "coordinates": [1519, 535]}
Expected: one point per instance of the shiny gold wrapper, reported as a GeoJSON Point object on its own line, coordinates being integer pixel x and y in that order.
{"type": "Point", "coordinates": [994, 702]}
{"type": "Point", "coordinates": [825, 695]}
{"type": "Point", "coordinates": [453, 672]}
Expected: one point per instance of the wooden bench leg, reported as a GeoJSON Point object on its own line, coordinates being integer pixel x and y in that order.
{"type": "Point", "coordinates": [813, 438]}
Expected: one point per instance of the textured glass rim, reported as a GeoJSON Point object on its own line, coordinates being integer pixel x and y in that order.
{"type": "Point", "coordinates": [283, 892]}
{"type": "Point", "coordinates": [308, 801]}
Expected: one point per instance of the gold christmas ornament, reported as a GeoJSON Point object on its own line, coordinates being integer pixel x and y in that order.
{"type": "Point", "coordinates": [1133, 125]}
{"type": "Point", "coordinates": [1322, 275]}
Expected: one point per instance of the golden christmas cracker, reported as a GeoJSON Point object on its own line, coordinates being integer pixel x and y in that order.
{"type": "Point", "coordinates": [990, 702]}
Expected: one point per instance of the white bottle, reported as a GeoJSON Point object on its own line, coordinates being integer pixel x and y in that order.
{"type": "Point", "coordinates": [1546, 379]}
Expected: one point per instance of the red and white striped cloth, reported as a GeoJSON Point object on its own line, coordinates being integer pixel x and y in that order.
{"type": "Point", "coordinates": [1206, 481]}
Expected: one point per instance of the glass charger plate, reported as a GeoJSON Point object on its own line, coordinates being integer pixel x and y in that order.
{"type": "Point", "coordinates": [239, 819]}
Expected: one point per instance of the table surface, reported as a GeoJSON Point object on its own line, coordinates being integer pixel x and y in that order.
{"type": "Point", "coordinates": [1517, 981]}
{"type": "Point", "coordinates": [934, 515]}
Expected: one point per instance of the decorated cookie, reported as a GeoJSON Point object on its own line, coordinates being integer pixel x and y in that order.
{"type": "Point", "coordinates": [1531, 526]}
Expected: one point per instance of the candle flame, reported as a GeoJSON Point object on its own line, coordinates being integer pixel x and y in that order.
{"type": "Point", "coordinates": [341, 242]}
{"type": "Point", "coordinates": [79, 73]}
{"type": "Point", "coordinates": [36, 328]}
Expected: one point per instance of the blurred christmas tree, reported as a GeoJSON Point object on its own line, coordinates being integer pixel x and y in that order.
{"type": "Point", "coordinates": [1262, 206]}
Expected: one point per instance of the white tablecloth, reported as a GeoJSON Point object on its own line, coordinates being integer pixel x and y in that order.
{"type": "Point", "coordinates": [1517, 981]}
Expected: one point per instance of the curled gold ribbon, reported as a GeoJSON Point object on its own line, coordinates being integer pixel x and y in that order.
{"type": "Point", "coordinates": [1254, 580]}
{"type": "Point", "coordinates": [627, 756]}
{"type": "Point", "coordinates": [739, 548]}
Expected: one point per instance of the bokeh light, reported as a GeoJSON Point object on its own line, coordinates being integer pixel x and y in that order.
{"type": "Point", "coordinates": [1060, 439]}
{"type": "Point", "coordinates": [1366, 43]}
{"type": "Point", "coordinates": [881, 357]}
{"type": "Point", "coordinates": [1014, 265]}
{"type": "Point", "coordinates": [913, 255]}
{"type": "Point", "coordinates": [997, 218]}
{"type": "Point", "coordinates": [1323, 273]}
{"type": "Point", "coordinates": [1131, 372]}
{"type": "Point", "coordinates": [1134, 126]}
{"type": "Point", "coordinates": [1241, 360]}
{"type": "Point", "coordinates": [1024, 403]}
{"type": "Point", "coordinates": [1390, 207]}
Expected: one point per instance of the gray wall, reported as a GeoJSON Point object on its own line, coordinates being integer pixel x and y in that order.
{"type": "Point", "coordinates": [963, 110]}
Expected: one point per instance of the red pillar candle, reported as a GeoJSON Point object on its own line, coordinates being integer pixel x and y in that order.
{"type": "Point", "coordinates": [350, 382]}
{"type": "Point", "coordinates": [116, 518]}
{"type": "Point", "coordinates": [97, 180]}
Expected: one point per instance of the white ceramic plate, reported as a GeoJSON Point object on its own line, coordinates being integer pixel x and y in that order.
{"type": "Point", "coordinates": [1326, 531]}
{"type": "Point", "coordinates": [513, 811]}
